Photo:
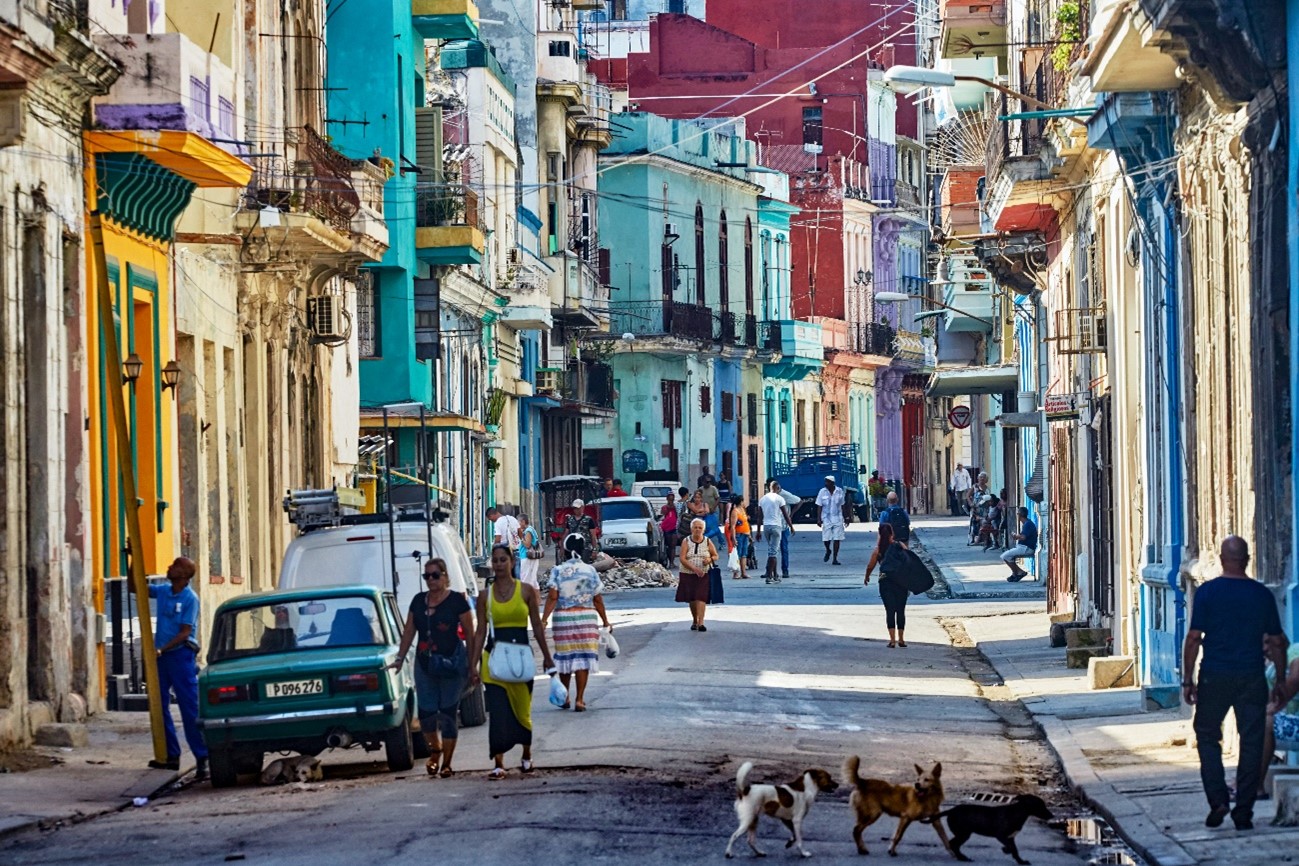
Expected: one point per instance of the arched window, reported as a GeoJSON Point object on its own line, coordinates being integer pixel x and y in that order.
{"type": "Point", "coordinates": [723, 267]}
{"type": "Point", "coordinates": [700, 294]}
{"type": "Point", "coordinates": [748, 266]}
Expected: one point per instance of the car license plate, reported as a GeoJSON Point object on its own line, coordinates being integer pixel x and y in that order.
{"type": "Point", "coordinates": [616, 541]}
{"type": "Point", "coordinates": [295, 688]}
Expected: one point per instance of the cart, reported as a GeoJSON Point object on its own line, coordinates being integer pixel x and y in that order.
{"type": "Point", "coordinates": [557, 495]}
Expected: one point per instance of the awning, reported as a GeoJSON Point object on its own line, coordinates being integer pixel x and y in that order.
{"type": "Point", "coordinates": [437, 421]}
{"type": "Point", "coordinates": [960, 381]}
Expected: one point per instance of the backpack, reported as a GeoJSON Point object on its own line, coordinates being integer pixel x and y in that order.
{"type": "Point", "coordinates": [897, 517]}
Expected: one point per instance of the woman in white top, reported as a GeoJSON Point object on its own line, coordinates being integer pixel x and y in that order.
{"type": "Point", "coordinates": [697, 556]}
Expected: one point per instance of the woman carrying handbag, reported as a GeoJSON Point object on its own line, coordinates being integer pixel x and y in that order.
{"type": "Point", "coordinates": [698, 558]}
{"type": "Point", "coordinates": [530, 553]}
{"type": "Point", "coordinates": [504, 612]}
{"type": "Point", "coordinates": [893, 592]}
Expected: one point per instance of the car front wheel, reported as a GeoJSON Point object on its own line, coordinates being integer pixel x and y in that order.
{"type": "Point", "coordinates": [400, 748]}
{"type": "Point", "coordinates": [222, 766]}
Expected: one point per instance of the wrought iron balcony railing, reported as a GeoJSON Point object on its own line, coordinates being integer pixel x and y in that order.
{"type": "Point", "coordinates": [872, 338]}
{"type": "Point", "coordinates": [662, 318]}
{"type": "Point", "coordinates": [447, 204]}
{"type": "Point", "coordinates": [304, 174]}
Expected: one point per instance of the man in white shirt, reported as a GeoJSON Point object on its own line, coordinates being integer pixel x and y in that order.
{"type": "Point", "coordinates": [829, 503]}
{"type": "Point", "coordinates": [775, 517]}
{"type": "Point", "coordinates": [960, 486]}
{"type": "Point", "coordinates": [505, 528]}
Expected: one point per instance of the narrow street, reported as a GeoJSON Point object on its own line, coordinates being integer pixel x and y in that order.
{"type": "Point", "coordinates": [789, 676]}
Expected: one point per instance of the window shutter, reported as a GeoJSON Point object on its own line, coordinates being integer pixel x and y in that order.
{"type": "Point", "coordinates": [705, 399]}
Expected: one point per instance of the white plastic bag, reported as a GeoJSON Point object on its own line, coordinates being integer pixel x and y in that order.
{"type": "Point", "coordinates": [733, 561]}
{"type": "Point", "coordinates": [558, 694]}
{"type": "Point", "coordinates": [609, 643]}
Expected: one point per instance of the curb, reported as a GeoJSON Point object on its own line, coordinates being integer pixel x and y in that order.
{"type": "Point", "coordinates": [951, 588]}
{"type": "Point", "coordinates": [13, 826]}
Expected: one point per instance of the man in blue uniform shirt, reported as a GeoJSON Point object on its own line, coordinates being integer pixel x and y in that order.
{"type": "Point", "coordinates": [176, 642]}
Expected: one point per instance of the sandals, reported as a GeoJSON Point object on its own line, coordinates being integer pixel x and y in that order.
{"type": "Point", "coordinates": [431, 765]}
{"type": "Point", "coordinates": [902, 644]}
{"type": "Point", "coordinates": [579, 707]}
{"type": "Point", "coordinates": [446, 773]}
{"type": "Point", "coordinates": [892, 644]}
{"type": "Point", "coordinates": [526, 765]}
{"type": "Point", "coordinates": [566, 706]}
{"type": "Point", "coordinates": [496, 775]}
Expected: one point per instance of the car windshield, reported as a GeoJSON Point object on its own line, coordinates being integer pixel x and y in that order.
{"type": "Point", "coordinates": [303, 624]}
{"type": "Point", "coordinates": [623, 510]}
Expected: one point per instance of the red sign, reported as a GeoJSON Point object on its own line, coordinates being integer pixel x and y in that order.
{"type": "Point", "coordinates": [960, 417]}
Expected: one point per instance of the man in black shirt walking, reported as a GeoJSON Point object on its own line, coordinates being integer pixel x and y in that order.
{"type": "Point", "coordinates": [1234, 620]}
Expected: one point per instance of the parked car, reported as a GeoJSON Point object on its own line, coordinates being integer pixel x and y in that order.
{"type": "Point", "coordinates": [305, 670]}
{"type": "Point", "coordinates": [655, 491]}
{"type": "Point", "coordinates": [630, 530]}
{"type": "Point", "coordinates": [358, 553]}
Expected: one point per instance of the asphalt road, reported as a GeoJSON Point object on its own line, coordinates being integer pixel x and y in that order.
{"type": "Point", "coordinates": [790, 676]}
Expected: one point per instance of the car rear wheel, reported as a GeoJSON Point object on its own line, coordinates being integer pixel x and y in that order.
{"type": "Point", "coordinates": [221, 764]}
{"type": "Point", "coordinates": [473, 708]}
{"type": "Point", "coordinates": [399, 747]}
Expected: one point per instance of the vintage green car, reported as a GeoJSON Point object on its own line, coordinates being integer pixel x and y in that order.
{"type": "Point", "coordinates": [303, 671]}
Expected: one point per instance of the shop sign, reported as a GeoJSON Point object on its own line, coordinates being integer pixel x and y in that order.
{"type": "Point", "coordinates": [1065, 407]}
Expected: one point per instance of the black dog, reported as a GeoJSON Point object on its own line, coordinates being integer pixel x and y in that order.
{"type": "Point", "coordinates": [999, 822]}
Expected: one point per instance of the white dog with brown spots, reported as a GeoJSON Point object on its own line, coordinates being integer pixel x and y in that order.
{"type": "Point", "coordinates": [788, 804]}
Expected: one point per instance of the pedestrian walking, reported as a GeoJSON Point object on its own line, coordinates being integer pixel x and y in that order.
{"type": "Point", "coordinates": [711, 497]}
{"type": "Point", "coordinates": [576, 601]}
{"type": "Point", "coordinates": [531, 552]}
{"type": "Point", "coordinates": [175, 641]}
{"type": "Point", "coordinates": [959, 488]}
{"type": "Point", "coordinates": [738, 524]}
{"type": "Point", "coordinates": [438, 617]}
{"type": "Point", "coordinates": [669, 516]}
{"type": "Point", "coordinates": [505, 528]}
{"type": "Point", "coordinates": [705, 477]}
{"type": "Point", "coordinates": [1234, 625]}
{"type": "Point", "coordinates": [697, 556]}
{"type": "Point", "coordinates": [897, 517]}
{"type": "Point", "coordinates": [1025, 545]}
{"type": "Point", "coordinates": [724, 496]}
{"type": "Point", "coordinates": [1282, 727]}
{"type": "Point", "coordinates": [878, 489]}
{"type": "Point", "coordinates": [829, 516]}
{"type": "Point", "coordinates": [696, 507]}
{"type": "Point", "coordinates": [775, 519]}
{"type": "Point", "coordinates": [509, 605]}
{"type": "Point", "coordinates": [892, 591]}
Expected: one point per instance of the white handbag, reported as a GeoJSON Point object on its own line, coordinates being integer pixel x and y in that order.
{"type": "Point", "coordinates": [508, 662]}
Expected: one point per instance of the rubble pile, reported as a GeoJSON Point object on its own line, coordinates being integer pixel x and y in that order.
{"type": "Point", "coordinates": [628, 574]}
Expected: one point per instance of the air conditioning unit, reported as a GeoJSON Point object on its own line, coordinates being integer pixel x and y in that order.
{"type": "Point", "coordinates": [670, 230]}
{"type": "Point", "coordinates": [548, 381]}
{"type": "Point", "coordinates": [324, 318]}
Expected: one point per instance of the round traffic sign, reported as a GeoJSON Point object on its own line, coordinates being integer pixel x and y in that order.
{"type": "Point", "coordinates": [959, 416]}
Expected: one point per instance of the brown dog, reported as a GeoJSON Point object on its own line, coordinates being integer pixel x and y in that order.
{"type": "Point", "coordinates": [872, 798]}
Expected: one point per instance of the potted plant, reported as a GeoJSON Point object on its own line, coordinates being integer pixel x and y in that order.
{"type": "Point", "coordinates": [1068, 33]}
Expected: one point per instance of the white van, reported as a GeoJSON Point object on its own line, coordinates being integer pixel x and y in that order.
{"type": "Point", "coordinates": [359, 553]}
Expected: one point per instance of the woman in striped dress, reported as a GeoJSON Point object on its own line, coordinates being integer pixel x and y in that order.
{"type": "Point", "coordinates": [575, 591]}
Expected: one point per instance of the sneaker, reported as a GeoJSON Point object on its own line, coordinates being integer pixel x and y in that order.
{"type": "Point", "coordinates": [1243, 823]}
{"type": "Point", "coordinates": [785, 576]}
{"type": "Point", "coordinates": [200, 771]}
{"type": "Point", "coordinates": [169, 764]}
{"type": "Point", "coordinates": [1216, 816]}
{"type": "Point", "coordinates": [1017, 577]}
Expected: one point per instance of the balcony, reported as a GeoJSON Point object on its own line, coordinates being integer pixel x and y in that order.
{"type": "Point", "coordinates": [528, 290]}
{"type": "Point", "coordinates": [801, 347]}
{"type": "Point", "coordinates": [973, 299]}
{"type": "Point", "coordinates": [959, 200]}
{"type": "Point", "coordinates": [588, 383]}
{"type": "Point", "coordinates": [302, 185]}
{"type": "Point", "coordinates": [1019, 192]}
{"type": "Point", "coordinates": [448, 217]}
{"type": "Point", "coordinates": [557, 60]}
{"type": "Point", "coordinates": [662, 319]}
{"type": "Point", "coordinates": [872, 338]}
{"type": "Point", "coordinates": [1126, 57]}
{"type": "Point", "coordinates": [168, 83]}
{"type": "Point", "coordinates": [369, 228]}
{"type": "Point", "coordinates": [727, 332]}
{"type": "Point", "coordinates": [969, 24]}
{"type": "Point", "coordinates": [445, 19]}
{"type": "Point", "coordinates": [576, 294]}
{"type": "Point", "coordinates": [914, 286]}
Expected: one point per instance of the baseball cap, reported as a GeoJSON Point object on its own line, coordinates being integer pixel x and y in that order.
{"type": "Point", "coordinates": [829, 478]}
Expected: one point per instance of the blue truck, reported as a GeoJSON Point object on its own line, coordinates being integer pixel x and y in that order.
{"type": "Point", "coordinates": [802, 472]}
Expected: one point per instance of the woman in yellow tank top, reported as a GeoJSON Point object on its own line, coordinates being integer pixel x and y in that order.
{"type": "Point", "coordinates": [509, 705]}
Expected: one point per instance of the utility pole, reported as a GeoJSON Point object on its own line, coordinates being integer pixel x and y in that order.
{"type": "Point", "coordinates": [126, 470]}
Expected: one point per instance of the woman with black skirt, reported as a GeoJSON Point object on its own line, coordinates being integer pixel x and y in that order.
{"type": "Point", "coordinates": [892, 592]}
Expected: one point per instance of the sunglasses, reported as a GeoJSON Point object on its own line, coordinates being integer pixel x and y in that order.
{"type": "Point", "coordinates": [432, 575]}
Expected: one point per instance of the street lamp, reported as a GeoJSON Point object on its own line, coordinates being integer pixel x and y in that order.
{"type": "Point", "coordinates": [909, 79]}
{"type": "Point", "coordinates": [170, 375]}
{"type": "Point", "coordinates": [901, 297]}
{"type": "Point", "coordinates": [131, 368]}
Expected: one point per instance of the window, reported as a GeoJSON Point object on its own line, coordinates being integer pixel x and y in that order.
{"type": "Point", "coordinates": [728, 406]}
{"type": "Point", "coordinates": [812, 125]}
{"type": "Point", "coordinates": [677, 7]}
{"type": "Point", "coordinates": [367, 322]}
{"type": "Point", "coordinates": [748, 266]}
{"type": "Point", "coordinates": [705, 399]}
{"type": "Point", "coordinates": [200, 97]}
{"type": "Point", "coordinates": [723, 266]}
{"type": "Point", "coordinates": [670, 390]}
{"type": "Point", "coordinates": [299, 626]}
{"type": "Point", "coordinates": [700, 294]}
{"type": "Point", "coordinates": [753, 414]}
{"type": "Point", "coordinates": [784, 411]}
{"type": "Point", "coordinates": [225, 115]}
{"type": "Point", "coordinates": [618, 10]}
{"type": "Point", "coordinates": [561, 48]}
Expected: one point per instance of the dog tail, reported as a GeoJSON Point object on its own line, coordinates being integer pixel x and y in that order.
{"type": "Point", "coordinates": [742, 780]}
{"type": "Point", "coordinates": [850, 775]}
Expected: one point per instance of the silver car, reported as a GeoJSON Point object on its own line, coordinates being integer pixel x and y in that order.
{"type": "Point", "coordinates": [629, 529]}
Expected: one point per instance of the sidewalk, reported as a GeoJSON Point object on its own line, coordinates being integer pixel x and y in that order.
{"type": "Point", "coordinates": [1137, 769]}
{"type": "Point", "coordinates": [79, 783]}
{"type": "Point", "coordinates": [969, 570]}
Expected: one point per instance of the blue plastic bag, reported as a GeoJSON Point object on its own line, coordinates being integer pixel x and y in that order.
{"type": "Point", "coordinates": [558, 693]}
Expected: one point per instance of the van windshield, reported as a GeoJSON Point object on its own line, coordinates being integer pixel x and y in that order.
{"type": "Point", "coordinates": [304, 624]}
